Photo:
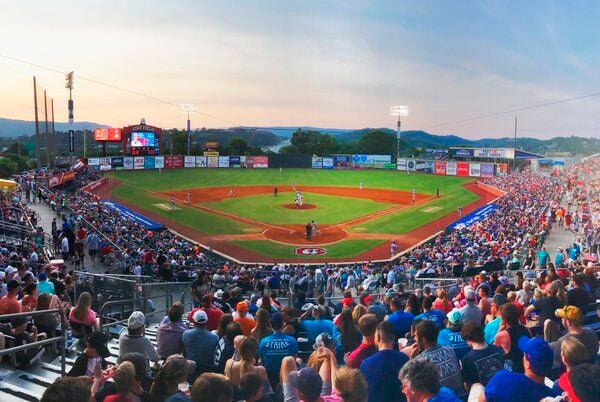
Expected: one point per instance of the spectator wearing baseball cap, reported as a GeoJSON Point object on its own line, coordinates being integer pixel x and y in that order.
{"type": "Point", "coordinates": [305, 384]}
{"type": "Point", "coordinates": [242, 318]}
{"type": "Point", "coordinates": [273, 348]}
{"type": "Point", "coordinates": [45, 286]}
{"type": "Point", "coordinates": [9, 303]}
{"type": "Point", "coordinates": [134, 341]}
{"type": "Point", "coordinates": [450, 336]}
{"type": "Point", "coordinates": [95, 352]}
{"type": "Point", "coordinates": [199, 343]}
{"type": "Point", "coordinates": [471, 312]}
{"type": "Point", "coordinates": [572, 320]}
{"type": "Point", "coordinates": [510, 386]}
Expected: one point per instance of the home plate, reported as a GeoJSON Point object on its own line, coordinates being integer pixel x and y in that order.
{"type": "Point", "coordinates": [166, 207]}
{"type": "Point", "coordinates": [431, 209]}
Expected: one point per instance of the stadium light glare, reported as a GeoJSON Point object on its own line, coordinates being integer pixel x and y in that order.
{"type": "Point", "coordinates": [399, 110]}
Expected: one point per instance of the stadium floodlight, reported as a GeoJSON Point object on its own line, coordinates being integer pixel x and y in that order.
{"type": "Point", "coordinates": [187, 108]}
{"type": "Point", "coordinates": [399, 110]}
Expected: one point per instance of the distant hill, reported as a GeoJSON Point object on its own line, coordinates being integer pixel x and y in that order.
{"type": "Point", "coordinates": [16, 128]}
{"type": "Point", "coordinates": [254, 137]}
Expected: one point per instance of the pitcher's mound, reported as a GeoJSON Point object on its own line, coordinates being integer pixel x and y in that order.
{"type": "Point", "coordinates": [303, 206]}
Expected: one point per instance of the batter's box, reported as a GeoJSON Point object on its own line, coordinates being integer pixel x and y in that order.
{"type": "Point", "coordinates": [167, 207]}
{"type": "Point", "coordinates": [430, 209]}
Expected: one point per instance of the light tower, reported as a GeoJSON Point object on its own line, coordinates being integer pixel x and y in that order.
{"type": "Point", "coordinates": [69, 86]}
{"type": "Point", "coordinates": [398, 111]}
{"type": "Point", "coordinates": [187, 108]}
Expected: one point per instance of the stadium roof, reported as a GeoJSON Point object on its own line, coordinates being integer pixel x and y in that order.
{"type": "Point", "coordinates": [491, 153]}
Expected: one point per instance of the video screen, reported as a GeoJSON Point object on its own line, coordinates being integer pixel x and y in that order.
{"type": "Point", "coordinates": [142, 139]}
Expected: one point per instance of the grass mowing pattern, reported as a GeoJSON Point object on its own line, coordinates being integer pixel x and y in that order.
{"type": "Point", "coordinates": [204, 222]}
{"type": "Point", "coordinates": [330, 209]}
{"type": "Point", "coordinates": [345, 249]}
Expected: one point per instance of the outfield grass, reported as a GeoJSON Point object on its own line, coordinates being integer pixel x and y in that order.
{"type": "Point", "coordinates": [201, 221]}
{"type": "Point", "coordinates": [330, 209]}
{"type": "Point", "coordinates": [346, 249]}
{"type": "Point", "coordinates": [193, 178]}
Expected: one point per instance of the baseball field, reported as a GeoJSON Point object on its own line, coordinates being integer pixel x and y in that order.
{"type": "Point", "coordinates": [351, 215]}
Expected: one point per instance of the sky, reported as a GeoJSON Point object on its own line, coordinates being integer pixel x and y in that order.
{"type": "Point", "coordinates": [336, 64]}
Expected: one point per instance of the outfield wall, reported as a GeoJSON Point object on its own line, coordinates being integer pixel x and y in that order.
{"type": "Point", "coordinates": [176, 162]}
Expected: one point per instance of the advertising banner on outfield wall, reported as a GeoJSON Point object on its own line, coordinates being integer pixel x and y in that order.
{"type": "Point", "coordinates": [451, 168]}
{"type": "Point", "coordinates": [235, 161]}
{"type": "Point", "coordinates": [159, 162]}
{"type": "Point", "coordinates": [462, 169]}
{"type": "Point", "coordinates": [138, 162]}
{"type": "Point", "coordinates": [420, 166]}
{"type": "Point", "coordinates": [93, 161]}
{"type": "Point", "coordinates": [201, 161]}
{"type": "Point", "coordinates": [212, 161]}
{"type": "Point", "coordinates": [223, 161]}
{"type": "Point", "coordinates": [341, 161]}
{"type": "Point", "coordinates": [411, 165]}
{"type": "Point", "coordinates": [327, 162]}
{"type": "Point", "coordinates": [173, 161]}
{"type": "Point", "coordinates": [487, 170]}
{"type": "Point", "coordinates": [401, 164]}
{"type": "Point", "coordinates": [105, 167]}
{"type": "Point", "coordinates": [128, 163]}
{"type": "Point", "coordinates": [494, 153]}
{"type": "Point", "coordinates": [429, 166]}
{"type": "Point", "coordinates": [440, 168]}
{"type": "Point", "coordinates": [317, 162]}
{"type": "Point", "coordinates": [260, 162]}
{"type": "Point", "coordinates": [370, 161]}
{"type": "Point", "coordinates": [148, 162]}
{"type": "Point", "coordinates": [189, 161]}
{"type": "Point", "coordinates": [105, 161]}
{"type": "Point", "coordinates": [116, 163]}
{"type": "Point", "coordinates": [465, 152]}
{"type": "Point", "coordinates": [475, 170]}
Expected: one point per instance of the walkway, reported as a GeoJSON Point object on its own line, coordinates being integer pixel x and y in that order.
{"type": "Point", "coordinates": [559, 237]}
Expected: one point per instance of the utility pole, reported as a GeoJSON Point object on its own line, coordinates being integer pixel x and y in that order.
{"type": "Point", "coordinates": [69, 86]}
{"type": "Point", "coordinates": [515, 146]}
{"type": "Point", "coordinates": [398, 111]}
{"type": "Point", "coordinates": [187, 108]}
{"type": "Point", "coordinates": [37, 127]}
{"type": "Point", "coordinates": [47, 130]}
{"type": "Point", "coordinates": [52, 144]}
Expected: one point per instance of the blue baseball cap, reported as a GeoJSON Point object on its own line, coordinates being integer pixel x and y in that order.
{"type": "Point", "coordinates": [538, 353]}
{"type": "Point", "coordinates": [42, 276]}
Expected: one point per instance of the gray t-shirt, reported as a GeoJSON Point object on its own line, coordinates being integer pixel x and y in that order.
{"type": "Point", "coordinates": [589, 339]}
{"type": "Point", "coordinates": [447, 363]}
{"type": "Point", "coordinates": [136, 344]}
{"type": "Point", "coordinates": [471, 313]}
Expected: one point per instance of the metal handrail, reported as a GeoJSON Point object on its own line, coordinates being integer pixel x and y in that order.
{"type": "Point", "coordinates": [168, 301]}
{"type": "Point", "coordinates": [32, 345]}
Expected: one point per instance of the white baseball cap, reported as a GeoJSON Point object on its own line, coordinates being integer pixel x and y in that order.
{"type": "Point", "coordinates": [200, 317]}
{"type": "Point", "coordinates": [137, 319]}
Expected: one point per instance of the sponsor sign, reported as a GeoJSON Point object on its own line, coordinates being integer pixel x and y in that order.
{"type": "Point", "coordinates": [370, 161]}
{"type": "Point", "coordinates": [116, 160]}
{"type": "Point", "coordinates": [93, 161]}
{"type": "Point", "coordinates": [440, 168]}
{"type": "Point", "coordinates": [235, 161]}
{"type": "Point", "coordinates": [201, 161]}
{"type": "Point", "coordinates": [107, 134]}
{"type": "Point", "coordinates": [61, 178]}
{"type": "Point", "coordinates": [310, 251]}
{"type": "Point", "coordinates": [138, 162]}
{"type": "Point", "coordinates": [474, 217]}
{"type": "Point", "coordinates": [462, 169]}
{"type": "Point", "coordinates": [211, 153]}
{"type": "Point", "coordinates": [327, 163]}
{"type": "Point", "coordinates": [212, 161]}
{"type": "Point", "coordinates": [429, 166]}
{"type": "Point", "coordinates": [341, 161]}
{"type": "Point", "coordinates": [159, 162]}
{"type": "Point", "coordinates": [494, 153]}
{"type": "Point", "coordinates": [149, 162]}
{"type": "Point", "coordinates": [260, 162]}
{"type": "Point", "coordinates": [189, 161]}
{"type": "Point", "coordinates": [94, 185]}
{"type": "Point", "coordinates": [401, 164]}
{"type": "Point", "coordinates": [487, 170]}
{"type": "Point", "coordinates": [128, 163]}
{"type": "Point", "coordinates": [317, 162]}
{"type": "Point", "coordinates": [475, 169]}
{"type": "Point", "coordinates": [139, 218]}
{"type": "Point", "coordinates": [105, 167]}
{"type": "Point", "coordinates": [501, 169]}
{"type": "Point", "coordinates": [223, 161]}
{"type": "Point", "coordinates": [420, 166]}
{"type": "Point", "coordinates": [451, 168]}
{"type": "Point", "coordinates": [462, 152]}
{"type": "Point", "coordinates": [173, 161]}
{"type": "Point", "coordinates": [411, 165]}
{"type": "Point", "coordinates": [105, 161]}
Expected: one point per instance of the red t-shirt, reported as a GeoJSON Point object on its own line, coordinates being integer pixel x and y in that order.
{"type": "Point", "coordinates": [9, 305]}
{"type": "Point", "coordinates": [359, 354]}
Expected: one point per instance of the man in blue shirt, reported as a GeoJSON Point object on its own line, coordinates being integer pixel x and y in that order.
{"type": "Point", "coordinates": [317, 325]}
{"type": "Point", "coordinates": [400, 320]}
{"type": "Point", "coordinates": [451, 337]}
{"type": "Point", "coordinates": [543, 257]}
{"type": "Point", "coordinates": [507, 386]}
{"type": "Point", "coordinates": [431, 314]}
{"type": "Point", "coordinates": [381, 369]}
{"type": "Point", "coordinates": [274, 348]}
{"type": "Point", "coordinates": [199, 343]}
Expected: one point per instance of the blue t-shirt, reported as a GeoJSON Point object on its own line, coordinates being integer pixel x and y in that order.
{"type": "Point", "coordinates": [543, 258]}
{"type": "Point", "coordinates": [490, 330]}
{"type": "Point", "coordinates": [444, 395]}
{"type": "Point", "coordinates": [450, 338]}
{"type": "Point", "coordinates": [434, 315]}
{"type": "Point", "coordinates": [381, 372]}
{"type": "Point", "coordinates": [199, 345]}
{"type": "Point", "coordinates": [178, 397]}
{"type": "Point", "coordinates": [559, 258]}
{"type": "Point", "coordinates": [514, 387]}
{"type": "Point", "coordinates": [274, 348]}
{"type": "Point", "coordinates": [401, 322]}
{"type": "Point", "coordinates": [316, 327]}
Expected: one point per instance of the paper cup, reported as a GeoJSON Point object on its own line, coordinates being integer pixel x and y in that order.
{"type": "Point", "coordinates": [402, 342]}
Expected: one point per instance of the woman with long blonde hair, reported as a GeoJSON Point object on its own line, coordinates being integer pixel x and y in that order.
{"type": "Point", "coordinates": [263, 325]}
{"type": "Point", "coordinates": [358, 312]}
{"type": "Point", "coordinates": [235, 370]}
{"type": "Point", "coordinates": [82, 313]}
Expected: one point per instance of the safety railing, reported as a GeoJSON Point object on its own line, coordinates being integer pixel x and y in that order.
{"type": "Point", "coordinates": [62, 339]}
{"type": "Point", "coordinates": [135, 304]}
